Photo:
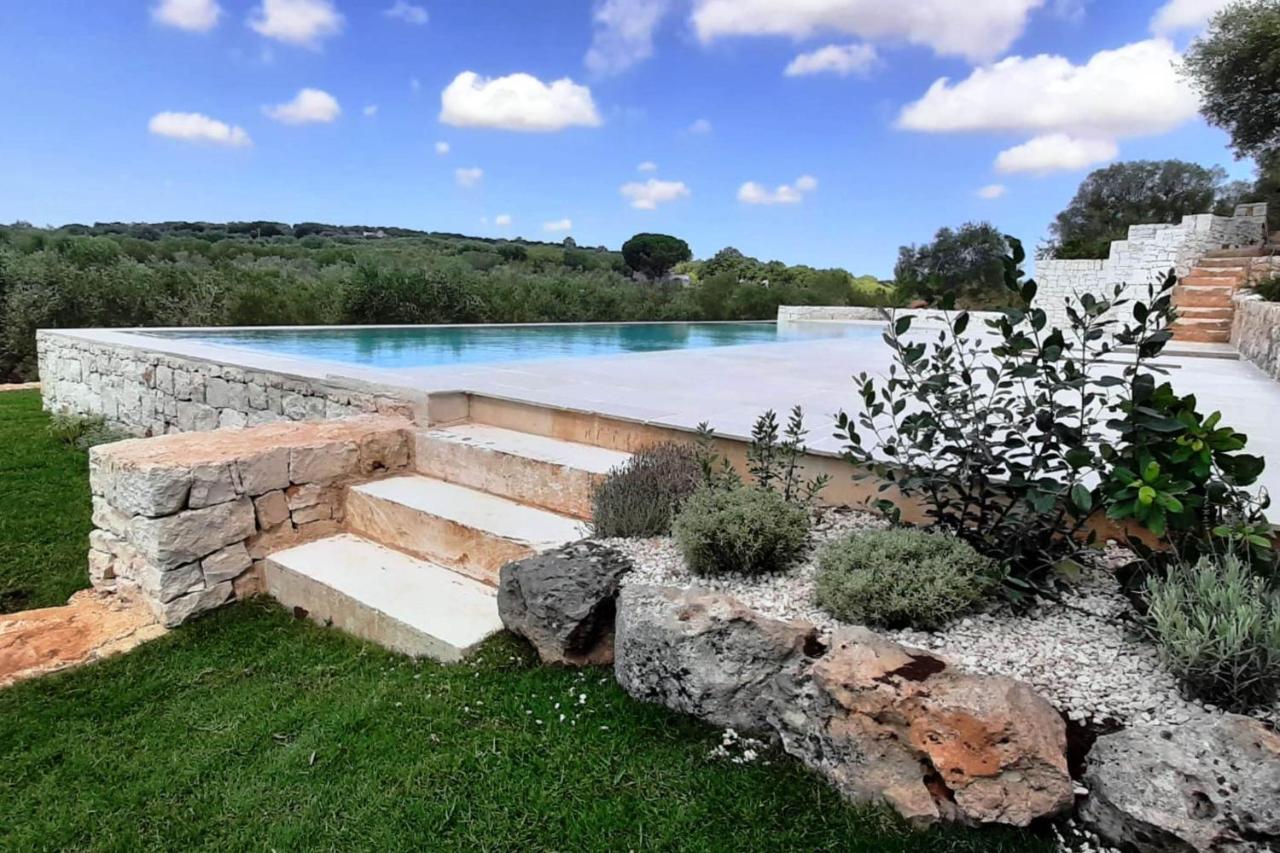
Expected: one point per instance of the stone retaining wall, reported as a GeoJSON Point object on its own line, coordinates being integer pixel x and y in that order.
{"type": "Point", "coordinates": [851, 313]}
{"type": "Point", "coordinates": [185, 520]}
{"type": "Point", "coordinates": [1255, 332]}
{"type": "Point", "coordinates": [146, 393]}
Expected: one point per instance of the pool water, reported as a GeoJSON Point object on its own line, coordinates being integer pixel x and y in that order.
{"type": "Point", "coordinates": [428, 346]}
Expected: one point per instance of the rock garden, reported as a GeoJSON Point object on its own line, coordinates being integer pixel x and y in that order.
{"type": "Point", "coordinates": [1078, 627]}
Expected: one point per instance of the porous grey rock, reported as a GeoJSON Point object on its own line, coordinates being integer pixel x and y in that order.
{"type": "Point", "coordinates": [322, 463]}
{"type": "Point", "coordinates": [265, 472]}
{"type": "Point", "coordinates": [272, 509]}
{"type": "Point", "coordinates": [149, 490]}
{"type": "Point", "coordinates": [563, 601]}
{"type": "Point", "coordinates": [179, 610]}
{"type": "Point", "coordinates": [1210, 784]}
{"type": "Point", "coordinates": [705, 654]}
{"type": "Point", "coordinates": [226, 564]}
{"type": "Point", "coordinates": [166, 585]}
{"type": "Point", "coordinates": [190, 536]}
{"type": "Point", "coordinates": [212, 484]}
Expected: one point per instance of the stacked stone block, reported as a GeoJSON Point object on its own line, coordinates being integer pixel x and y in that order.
{"type": "Point", "coordinates": [1255, 332]}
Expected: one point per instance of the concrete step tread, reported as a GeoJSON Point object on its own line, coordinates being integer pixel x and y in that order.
{"type": "Point", "coordinates": [423, 596]}
{"type": "Point", "coordinates": [1211, 280]}
{"type": "Point", "coordinates": [1206, 312]}
{"type": "Point", "coordinates": [500, 517]}
{"type": "Point", "coordinates": [570, 454]}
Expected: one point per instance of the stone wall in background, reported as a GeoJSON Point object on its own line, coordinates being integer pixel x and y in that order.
{"type": "Point", "coordinates": [1146, 256]}
{"type": "Point", "coordinates": [1255, 332]}
{"type": "Point", "coordinates": [184, 520]}
{"type": "Point", "coordinates": [148, 393]}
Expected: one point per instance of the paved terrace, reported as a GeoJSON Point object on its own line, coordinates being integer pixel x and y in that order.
{"type": "Point", "coordinates": [729, 386]}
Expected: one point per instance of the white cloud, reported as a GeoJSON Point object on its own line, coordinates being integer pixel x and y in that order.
{"type": "Point", "coordinates": [753, 193]}
{"type": "Point", "coordinates": [992, 191]}
{"type": "Point", "coordinates": [1130, 91]}
{"type": "Point", "coordinates": [647, 166]}
{"type": "Point", "coordinates": [502, 220]}
{"type": "Point", "coordinates": [653, 192]}
{"type": "Point", "coordinates": [516, 102]}
{"type": "Point", "coordinates": [197, 16]}
{"type": "Point", "coordinates": [301, 22]}
{"type": "Point", "coordinates": [442, 148]}
{"type": "Point", "coordinates": [196, 127]}
{"type": "Point", "coordinates": [623, 33]}
{"type": "Point", "coordinates": [842, 59]}
{"type": "Point", "coordinates": [978, 31]}
{"type": "Point", "coordinates": [1055, 152]}
{"type": "Point", "coordinates": [1177, 15]}
{"type": "Point", "coordinates": [309, 106]}
{"type": "Point", "coordinates": [565, 224]}
{"type": "Point", "coordinates": [701, 127]}
{"type": "Point", "coordinates": [371, 110]}
{"type": "Point", "coordinates": [408, 13]}
{"type": "Point", "coordinates": [468, 177]}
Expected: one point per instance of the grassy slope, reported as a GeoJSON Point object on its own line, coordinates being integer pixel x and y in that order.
{"type": "Point", "coordinates": [251, 730]}
{"type": "Point", "coordinates": [44, 509]}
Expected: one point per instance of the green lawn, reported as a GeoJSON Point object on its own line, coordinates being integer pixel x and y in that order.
{"type": "Point", "coordinates": [249, 729]}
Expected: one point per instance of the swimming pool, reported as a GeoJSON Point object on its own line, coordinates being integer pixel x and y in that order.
{"type": "Point", "coordinates": [429, 346]}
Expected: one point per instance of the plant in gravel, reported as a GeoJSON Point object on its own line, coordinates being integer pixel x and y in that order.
{"type": "Point", "coordinates": [639, 497]}
{"type": "Point", "coordinates": [740, 530]}
{"type": "Point", "coordinates": [82, 432]}
{"type": "Point", "coordinates": [902, 578]}
{"type": "Point", "coordinates": [774, 459]}
{"type": "Point", "coordinates": [1218, 628]}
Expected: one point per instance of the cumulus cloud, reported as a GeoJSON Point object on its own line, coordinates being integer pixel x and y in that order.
{"type": "Point", "coordinates": [408, 13]}
{"type": "Point", "coordinates": [623, 33]}
{"type": "Point", "coordinates": [502, 220]}
{"type": "Point", "coordinates": [519, 102]}
{"type": "Point", "coordinates": [1055, 152]}
{"type": "Point", "coordinates": [653, 192]}
{"type": "Point", "coordinates": [309, 106]}
{"type": "Point", "coordinates": [197, 127]}
{"type": "Point", "coordinates": [647, 166]}
{"type": "Point", "coordinates": [565, 224]}
{"type": "Point", "coordinates": [841, 59]}
{"type": "Point", "coordinates": [976, 31]}
{"type": "Point", "coordinates": [1130, 91]}
{"type": "Point", "coordinates": [469, 177]}
{"type": "Point", "coordinates": [1178, 15]}
{"type": "Point", "coordinates": [197, 16]}
{"type": "Point", "coordinates": [442, 148]}
{"type": "Point", "coordinates": [992, 191]}
{"type": "Point", "coordinates": [300, 22]}
{"type": "Point", "coordinates": [701, 127]}
{"type": "Point", "coordinates": [753, 193]}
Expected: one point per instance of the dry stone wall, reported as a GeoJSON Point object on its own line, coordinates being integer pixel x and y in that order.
{"type": "Point", "coordinates": [185, 520]}
{"type": "Point", "coordinates": [148, 393]}
{"type": "Point", "coordinates": [1255, 332]}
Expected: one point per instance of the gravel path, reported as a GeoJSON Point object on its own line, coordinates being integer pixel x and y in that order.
{"type": "Point", "coordinates": [1081, 657]}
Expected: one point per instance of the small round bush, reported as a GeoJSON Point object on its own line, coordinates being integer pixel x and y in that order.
{"type": "Point", "coordinates": [638, 498]}
{"type": "Point", "coordinates": [744, 530]}
{"type": "Point", "coordinates": [902, 578]}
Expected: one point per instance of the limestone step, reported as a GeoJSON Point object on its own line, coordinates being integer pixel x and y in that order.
{"type": "Point", "coordinates": [532, 469]}
{"type": "Point", "coordinates": [1201, 315]}
{"type": "Point", "coordinates": [1245, 252]}
{"type": "Point", "coordinates": [1194, 296]}
{"type": "Point", "coordinates": [464, 529]}
{"type": "Point", "coordinates": [381, 595]}
{"type": "Point", "coordinates": [1197, 334]}
{"type": "Point", "coordinates": [1214, 279]}
{"type": "Point", "coordinates": [1242, 264]}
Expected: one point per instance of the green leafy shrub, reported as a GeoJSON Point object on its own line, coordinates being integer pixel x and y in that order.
{"type": "Point", "coordinates": [739, 529]}
{"type": "Point", "coordinates": [640, 497]}
{"type": "Point", "coordinates": [1218, 628]}
{"type": "Point", "coordinates": [902, 578]}
{"type": "Point", "coordinates": [82, 432]}
{"type": "Point", "coordinates": [1268, 289]}
{"type": "Point", "coordinates": [774, 459]}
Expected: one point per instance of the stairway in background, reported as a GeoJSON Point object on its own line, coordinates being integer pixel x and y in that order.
{"type": "Point", "coordinates": [417, 565]}
{"type": "Point", "coordinates": [1203, 297]}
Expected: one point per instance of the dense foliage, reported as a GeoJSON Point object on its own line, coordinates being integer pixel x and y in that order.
{"type": "Point", "coordinates": [1137, 192]}
{"type": "Point", "coordinates": [1235, 65]}
{"type": "Point", "coordinates": [1218, 628]}
{"type": "Point", "coordinates": [964, 265]}
{"type": "Point", "coordinates": [902, 578]}
{"type": "Point", "coordinates": [638, 498]}
{"type": "Point", "coordinates": [263, 273]}
{"type": "Point", "coordinates": [741, 530]}
{"type": "Point", "coordinates": [654, 255]}
{"type": "Point", "coordinates": [1268, 289]}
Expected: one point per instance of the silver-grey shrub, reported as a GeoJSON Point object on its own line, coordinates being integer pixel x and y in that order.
{"type": "Point", "coordinates": [639, 497]}
{"type": "Point", "coordinates": [741, 530]}
{"type": "Point", "coordinates": [1218, 627]}
{"type": "Point", "coordinates": [902, 578]}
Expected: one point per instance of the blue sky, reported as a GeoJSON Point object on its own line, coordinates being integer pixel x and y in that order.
{"type": "Point", "coordinates": [191, 109]}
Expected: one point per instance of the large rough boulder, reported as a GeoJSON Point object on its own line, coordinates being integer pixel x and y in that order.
{"type": "Point", "coordinates": [705, 654]}
{"type": "Point", "coordinates": [1212, 784]}
{"type": "Point", "coordinates": [882, 721]}
{"type": "Point", "coordinates": [563, 601]}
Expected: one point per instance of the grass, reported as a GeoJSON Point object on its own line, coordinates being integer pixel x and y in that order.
{"type": "Point", "coordinates": [44, 509]}
{"type": "Point", "coordinates": [249, 729]}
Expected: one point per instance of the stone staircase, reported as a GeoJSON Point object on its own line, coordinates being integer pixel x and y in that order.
{"type": "Point", "coordinates": [416, 566]}
{"type": "Point", "coordinates": [1203, 297]}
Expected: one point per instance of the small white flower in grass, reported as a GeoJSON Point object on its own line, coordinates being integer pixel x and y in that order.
{"type": "Point", "coordinates": [562, 718]}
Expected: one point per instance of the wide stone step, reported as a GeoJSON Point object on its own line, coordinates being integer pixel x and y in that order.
{"type": "Point", "coordinates": [1215, 279]}
{"type": "Point", "coordinates": [1223, 264]}
{"type": "Point", "coordinates": [1205, 314]}
{"type": "Point", "coordinates": [532, 469]}
{"type": "Point", "coordinates": [1246, 252]}
{"type": "Point", "coordinates": [381, 595]}
{"type": "Point", "coordinates": [1193, 296]}
{"type": "Point", "coordinates": [461, 528]}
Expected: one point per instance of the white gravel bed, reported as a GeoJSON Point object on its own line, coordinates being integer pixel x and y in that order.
{"type": "Point", "coordinates": [1081, 657]}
